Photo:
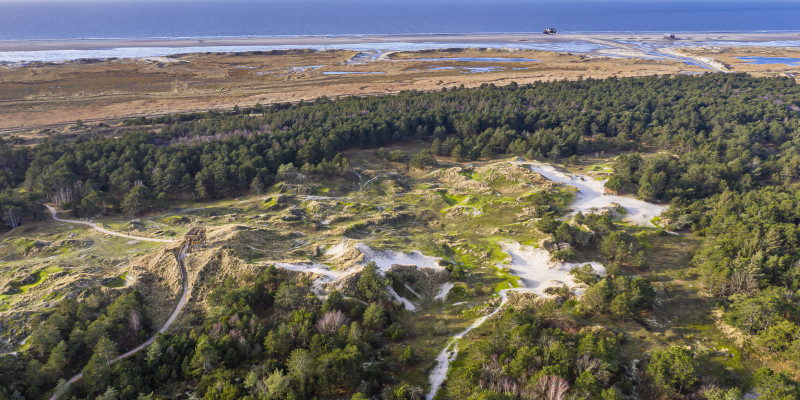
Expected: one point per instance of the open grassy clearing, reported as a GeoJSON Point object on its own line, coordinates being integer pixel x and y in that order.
{"type": "Point", "coordinates": [43, 261]}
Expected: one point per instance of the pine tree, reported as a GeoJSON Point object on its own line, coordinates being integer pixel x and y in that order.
{"type": "Point", "coordinates": [458, 153]}
{"type": "Point", "coordinates": [436, 147]}
{"type": "Point", "coordinates": [374, 317]}
{"type": "Point", "coordinates": [371, 284]}
{"type": "Point", "coordinates": [57, 361]}
{"type": "Point", "coordinates": [97, 371]}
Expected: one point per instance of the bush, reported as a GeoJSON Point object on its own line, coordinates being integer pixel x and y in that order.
{"type": "Point", "coordinates": [585, 274]}
{"type": "Point", "coordinates": [563, 254]}
{"type": "Point", "coordinates": [424, 159]}
{"type": "Point", "coordinates": [614, 184]}
{"type": "Point", "coordinates": [622, 296]}
{"type": "Point", "coordinates": [398, 156]}
{"type": "Point", "coordinates": [672, 370]}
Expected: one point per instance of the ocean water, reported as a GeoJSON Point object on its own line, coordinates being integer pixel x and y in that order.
{"type": "Point", "coordinates": [129, 19]}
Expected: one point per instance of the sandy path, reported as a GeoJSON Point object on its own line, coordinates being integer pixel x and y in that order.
{"type": "Point", "coordinates": [537, 272]}
{"type": "Point", "coordinates": [446, 356]}
{"type": "Point", "coordinates": [94, 226]}
{"type": "Point", "coordinates": [704, 61]}
{"type": "Point", "coordinates": [178, 307]}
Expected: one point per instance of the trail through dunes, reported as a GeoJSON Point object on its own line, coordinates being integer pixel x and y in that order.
{"type": "Point", "coordinates": [54, 212]}
{"type": "Point", "coordinates": [537, 273]}
{"type": "Point", "coordinates": [178, 307]}
{"type": "Point", "coordinates": [534, 266]}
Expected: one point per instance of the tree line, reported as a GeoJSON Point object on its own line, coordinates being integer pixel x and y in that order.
{"type": "Point", "coordinates": [723, 138]}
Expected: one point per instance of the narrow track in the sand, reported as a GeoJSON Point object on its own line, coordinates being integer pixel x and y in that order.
{"type": "Point", "coordinates": [178, 307]}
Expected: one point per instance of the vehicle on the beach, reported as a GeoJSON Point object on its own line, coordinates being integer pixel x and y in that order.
{"type": "Point", "coordinates": [670, 36]}
{"type": "Point", "coordinates": [549, 31]}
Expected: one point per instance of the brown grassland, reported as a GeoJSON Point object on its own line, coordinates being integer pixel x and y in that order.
{"type": "Point", "coordinates": [52, 95]}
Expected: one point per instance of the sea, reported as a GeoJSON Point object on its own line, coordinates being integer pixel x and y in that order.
{"type": "Point", "coordinates": [42, 20]}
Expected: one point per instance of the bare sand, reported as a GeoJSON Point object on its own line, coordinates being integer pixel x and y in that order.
{"type": "Point", "coordinates": [499, 38]}
{"type": "Point", "coordinates": [384, 260]}
{"type": "Point", "coordinates": [591, 197]}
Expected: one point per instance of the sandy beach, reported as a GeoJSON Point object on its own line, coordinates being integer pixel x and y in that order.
{"type": "Point", "coordinates": [694, 38]}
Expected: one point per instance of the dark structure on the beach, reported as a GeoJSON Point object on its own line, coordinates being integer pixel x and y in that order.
{"type": "Point", "coordinates": [670, 36]}
{"type": "Point", "coordinates": [550, 31]}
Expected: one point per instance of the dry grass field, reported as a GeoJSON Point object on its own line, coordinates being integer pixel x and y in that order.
{"type": "Point", "coordinates": [51, 95]}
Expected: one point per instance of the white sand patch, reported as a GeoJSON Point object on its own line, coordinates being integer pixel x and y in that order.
{"type": "Point", "coordinates": [383, 259]}
{"type": "Point", "coordinates": [412, 290]}
{"type": "Point", "coordinates": [325, 272]}
{"type": "Point", "coordinates": [445, 289]}
{"type": "Point", "coordinates": [537, 271]}
{"type": "Point", "coordinates": [591, 195]}
{"type": "Point", "coordinates": [406, 303]}
{"type": "Point", "coordinates": [338, 250]}
{"type": "Point", "coordinates": [319, 269]}
{"type": "Point", "coordinates": [386, 259]}
{"type": "Point", "coordinates": [317, 198]}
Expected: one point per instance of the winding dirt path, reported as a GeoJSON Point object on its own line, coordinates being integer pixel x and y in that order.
{"type": "Point", "coordinates": [178, 307]}
{"type": "Point", "coordinates": [54, 212]}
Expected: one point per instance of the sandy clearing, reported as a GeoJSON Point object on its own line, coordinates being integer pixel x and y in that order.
{"type": "Point", "coordinates": [326, 274]}
{"type": "Point", "coordinates": [591, 195]}
{"type": "Point", "coordinates": [386, 259]}
{"type": "Point", "coordinates": [383, 259]}
{"type": "Point", "coordinates": [537, 271]}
